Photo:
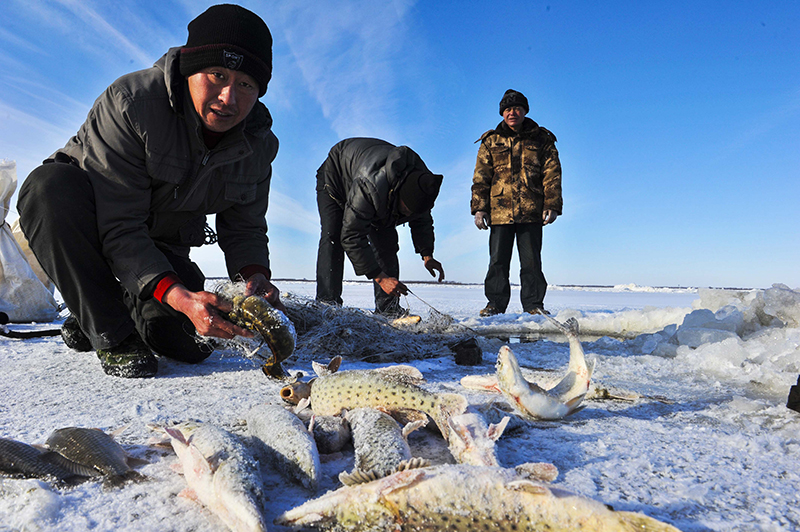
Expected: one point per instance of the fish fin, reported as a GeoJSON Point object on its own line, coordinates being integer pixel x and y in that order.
{"type": "Point", "coordinates": [311, 423]}
{"type": "Point", "coordinates": [541, 471]}
{"type": "Point", "coordinates": [304, 403]}
{"type": "Point", "coordinates": [496, 429]}
{"type": "Point", "coordinates": [176, 435]}
{"type": "Point", "coordinates": [73, 467]}
{"type": "Point", "coordinates": [202, 465]}
{"type": "Point", "coordinates": [528, 487]}
{"type": "Point", "coordinates": [572, 325]}
{"type": "Point", "coordinates": [590, 366]}
{"type": "Point", "coordinates": [481, 382]}
{"type": "Point", "coordinates": [573, 403]}
{"type": "Point", "coordinates": [118, 431]}
{"type": "Point", "coordinates": [402, 370]}
{"type": "Point", "coordinates": [189, 493]}
{"type": "Point", "coordinates": [644, 522]}
{"type": "Point", "coordinates": [412, 463]}
{"type": "Point", "coordinates": [414, 425]}
{"type": "Point", "coordinates": [319, 369]}
{"type": "Point", "coordinates": [361, 477]}
{"type": "Point", "coordinates": [137, 462]}
{"type": "Point", "coordinates": [334, 364]}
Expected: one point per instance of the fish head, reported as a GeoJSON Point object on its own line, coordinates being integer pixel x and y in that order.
{"type": "Point", "coordinates": [347, 508]}
{"type": "Point", "coordinates": [506, 366]}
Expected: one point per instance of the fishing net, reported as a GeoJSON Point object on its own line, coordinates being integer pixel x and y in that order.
{"type": "Point", "coordinates": [324, 331]}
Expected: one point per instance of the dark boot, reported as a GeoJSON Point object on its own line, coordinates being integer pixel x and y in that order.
{"type": "Point", "coordinates": [73, 335]}
{"type": "Point", "coordinates": [130, 359]}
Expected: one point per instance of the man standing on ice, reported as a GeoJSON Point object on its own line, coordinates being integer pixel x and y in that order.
{"type": "Point", "coordinates": [365, 189]}
{"type": "Point", "coordinates": [112, 215]}
{"type": "Point", "coordinates": [516, 190]}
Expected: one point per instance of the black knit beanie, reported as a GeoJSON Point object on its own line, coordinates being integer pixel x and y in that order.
{"type": "Point", "coordinates": [229, 36]}
{"type": "Point", "coordinates": [513, 98]}
{"type": "Point", "coordinates": [420, 189]}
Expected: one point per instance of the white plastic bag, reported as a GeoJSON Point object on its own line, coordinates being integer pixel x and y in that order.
{"type": "Point", "coordinates": [23, 297]}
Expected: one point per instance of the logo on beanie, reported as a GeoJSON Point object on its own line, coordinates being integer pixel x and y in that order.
{"type": "Point", "coordinates": [232, 60]}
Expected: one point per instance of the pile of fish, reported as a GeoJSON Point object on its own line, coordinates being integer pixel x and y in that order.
{"type": "Point", "coordinates": [388, 488]}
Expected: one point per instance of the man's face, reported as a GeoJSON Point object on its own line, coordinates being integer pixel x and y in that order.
{"type": "Point", "coordinates": [222, 97]}
{"type": "Point", "coordinates": [513, 116]}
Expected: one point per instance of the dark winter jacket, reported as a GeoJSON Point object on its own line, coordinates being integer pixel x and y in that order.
{"type": "Point", "coordinates": [517, 175]}
{"type": "Point", "coordinates": [155, 180]}
{"type": "Point", "coordinates": [363, 176]}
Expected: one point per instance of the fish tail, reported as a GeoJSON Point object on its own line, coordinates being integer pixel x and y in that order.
{"type": "Point", "coordinates": [447, 406]}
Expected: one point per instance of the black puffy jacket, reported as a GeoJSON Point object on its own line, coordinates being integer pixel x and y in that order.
{"type": "Point", "coordinates": [363, 175]}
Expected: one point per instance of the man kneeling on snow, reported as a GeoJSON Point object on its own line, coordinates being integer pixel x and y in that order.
{"type": "Point", "coordinates": [112, 215]}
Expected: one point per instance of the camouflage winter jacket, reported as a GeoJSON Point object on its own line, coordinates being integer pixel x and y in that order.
{"type": "Point", "coordinates": [517, 175]}
{"type": "Point", "coordinates": [155, 180]}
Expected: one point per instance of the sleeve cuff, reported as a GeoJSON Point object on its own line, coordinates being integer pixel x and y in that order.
{"type": "Point", "coordinates": [248, 271]}
{"type": "Point", "coordinates": [165, 284]}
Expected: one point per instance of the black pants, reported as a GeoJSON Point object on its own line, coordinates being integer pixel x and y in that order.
{"type": "Point", "coordinates": [529, 245]}
{"type": "Point", "coordinates": [58, 217]}
{"type": "Point", "coordinates": [330, 256]}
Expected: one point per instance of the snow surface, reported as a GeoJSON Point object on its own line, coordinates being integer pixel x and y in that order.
{"type": "Point", "coordinates": [708, 445]}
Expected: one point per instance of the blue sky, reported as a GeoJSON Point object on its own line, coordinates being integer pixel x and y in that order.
{"type": "Point", "coordinates": [678, 123]}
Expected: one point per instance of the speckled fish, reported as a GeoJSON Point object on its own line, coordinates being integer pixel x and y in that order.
{"type": "Point", "coordinates": [462, 498]}
{"type": "Point", "coordinates": [273, 326]}
{"type": "Point", "coordinates": [391, 389]}
{"type": "Point", "coordinates": [288, 444]}
{"type": "Point", "coordinates": [380, 445]}
{"type": "Point", "coordinates": [20, 459]}
{"type": "Point", "coordinates": [221, 473]}
{"type": "Point", "coordinates": [93, 448]}
{"type": "Point", "coordinates": [472, 439]}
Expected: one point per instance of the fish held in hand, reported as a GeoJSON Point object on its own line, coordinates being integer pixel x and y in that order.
{"type": "Point", "coordinates": [221, 474]}
{"type": "Point", "coordinates": [462, 498]}
{"type": "Point", "coordinates": [275, 328]}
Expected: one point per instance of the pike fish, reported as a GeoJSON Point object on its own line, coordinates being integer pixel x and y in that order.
{"type": "Point", "coordinates": [381, 446]}
{"type": "Point", "coordinates": [394, 389]}
{"type": "Point", "coordinates": [20, 459]}
{"type": "Point", "coordinates": [530, 399]}
{"type": "Point", "coordinates": [462, 498]}
{"type": "Point", "coordinates": [95, 450]}
{"type": "Point", "coordinates": [287, 442]}
{"type": "Point", "coordinates": [221, 474]}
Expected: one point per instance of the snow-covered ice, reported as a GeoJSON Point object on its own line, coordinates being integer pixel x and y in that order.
{"type": "Point", "coordinates": [708, 445]}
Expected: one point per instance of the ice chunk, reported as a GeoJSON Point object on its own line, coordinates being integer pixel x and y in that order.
{"type": "Point", "coordinates": [696, 336]}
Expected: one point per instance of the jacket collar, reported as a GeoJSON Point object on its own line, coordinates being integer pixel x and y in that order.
{"type": "Point", "coordinates": [529, 128]}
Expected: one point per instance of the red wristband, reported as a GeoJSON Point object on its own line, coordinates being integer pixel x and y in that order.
{"type": "Point", "coordinates": [164, 285]}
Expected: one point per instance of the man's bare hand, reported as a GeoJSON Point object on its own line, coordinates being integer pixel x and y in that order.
{"type": "Point", "coordinates": [258, 284]}
{"type": "Point", "coordinates": [207, 311]}
{"type": "Point", "coordinates": [549, 217]}
{"type": "Point", "coordinates": [391, 285]}
{"type": "Point", "coordinates": [433, 266]}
